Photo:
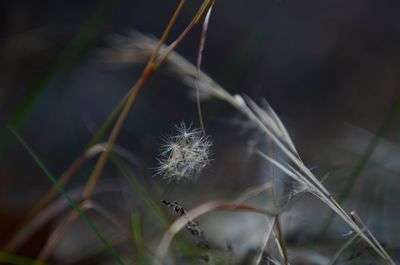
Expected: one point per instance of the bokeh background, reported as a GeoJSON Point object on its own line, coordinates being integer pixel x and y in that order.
{"type": "Point", "coordinates": [330, 69]}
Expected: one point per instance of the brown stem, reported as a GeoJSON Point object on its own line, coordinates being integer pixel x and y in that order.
{"type": "Point", "coordinates": [278, 226]}
{"type": "Point", "coordinates": [281, 239]}
{"type": "Point", "coordinates": [116, 131]}
{"type": "Point", "coordinates": [206, 4]}
{"type": "Point", "coordinates": [198, 64]}
{"type": "Point", "coordinates": [134, 91]}
{"type": "Point", "coordinates": [56, 236]}
{"type": "Point", "coordinates": [16, 240]}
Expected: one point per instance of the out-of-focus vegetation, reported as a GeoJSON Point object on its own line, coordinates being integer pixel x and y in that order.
{"type": "Point", "coordinates": [330, 71]}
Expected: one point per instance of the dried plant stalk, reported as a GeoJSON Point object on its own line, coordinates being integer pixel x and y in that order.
{"type": "Point", "coordinates": [266, 121]}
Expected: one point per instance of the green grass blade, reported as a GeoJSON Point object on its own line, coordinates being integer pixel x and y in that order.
{"type": "Point", "coordinates": [343, 248]}
{"type": "Point", "coordinates": [136, 186]}
{"type": "Point", "coordinates": [17, 260]}
{"type": "Point", "coordinates": [139, 190]}
{"type": "Point", "coordinates": [85, 218]}
{"type": "Point", "coordinates": [137, 237]}
{"type": "Point", "coordinates": [362, 162]}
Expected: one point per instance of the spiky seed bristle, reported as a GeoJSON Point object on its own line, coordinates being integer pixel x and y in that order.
{"type": "Point", "coordinates": [184, 155]}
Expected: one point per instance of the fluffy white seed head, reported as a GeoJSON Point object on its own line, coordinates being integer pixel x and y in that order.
{"type": "Point", "coordinates": [184, 155]}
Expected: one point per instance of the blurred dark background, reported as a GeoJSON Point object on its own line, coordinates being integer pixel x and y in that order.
{"type": "Point", "coordinates": [330, 69]}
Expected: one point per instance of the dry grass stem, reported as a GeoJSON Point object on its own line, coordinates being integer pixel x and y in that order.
{"type": "Point", "coordinates": [267, 236]}
{"type": "Point", "coordinates": [193, 214]}
{"type": "Point", "coordinates": [268, 122]}
{"type": "Point", "coordinates": [153, 63]}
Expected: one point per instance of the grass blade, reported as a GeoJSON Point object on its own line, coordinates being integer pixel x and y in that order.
{"type": "Point", "coordinates": [343, 248]}
{"type": "Point", "coordinates": [85, 218]}
{"type": "Point", "coordinates": [137, 237]}
{"type": "Point", "coordinates": [362, 162]}
{"type": "Point", "coordinates": [139, 190]}
{"type": "Point", "coordinates": [17, 260]}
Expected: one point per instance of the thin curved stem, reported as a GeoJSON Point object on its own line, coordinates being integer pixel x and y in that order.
{"type": "Point", "coordinates": [132, 96]}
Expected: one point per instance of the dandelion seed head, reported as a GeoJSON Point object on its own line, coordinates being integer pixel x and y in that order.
{"type": "Point", "coordinates": [184, 155]}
